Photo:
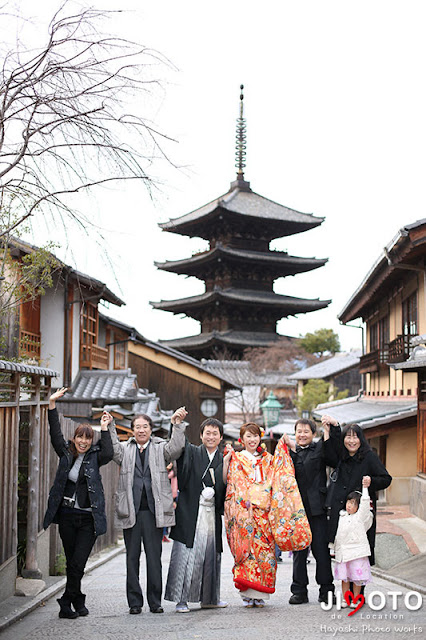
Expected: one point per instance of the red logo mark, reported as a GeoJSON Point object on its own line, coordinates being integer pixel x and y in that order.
{"type": "Point", "coordinates": [349, 596]}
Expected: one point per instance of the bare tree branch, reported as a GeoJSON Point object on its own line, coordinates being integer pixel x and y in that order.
{"type": "Point", "coordinates": [68, 120]}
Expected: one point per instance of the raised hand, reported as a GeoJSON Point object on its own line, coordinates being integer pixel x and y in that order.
{"type": "Point", "coordinates": [179, 415]}
{"type": "Point", "coordinates": [228, 451]}
{"type": "Point", "coordinates": [328, 420]}
{"type": "Point", "coordinates": [106, 419]}
{"type": "Point", "coordinates": [56, 395]}
{"type": "Point", "coordinates": [227, 454]}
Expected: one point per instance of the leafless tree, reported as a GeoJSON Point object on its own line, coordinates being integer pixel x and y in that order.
{"type": "Point", "coordinates": [65, 120]}
{"type": "Point", "coordinates": [286, 355]}
{"type": "Point", "coordinates": [241, 402]}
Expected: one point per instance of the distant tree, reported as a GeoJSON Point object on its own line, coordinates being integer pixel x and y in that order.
{"type": "Point", "coordinates": [320, 342]}
{"type": "Point", "coordinates": [69, 118]}
{"type": "Point", "coordinates": [315, 392]}
{"type": "Point", "coordinates": [286, 355]}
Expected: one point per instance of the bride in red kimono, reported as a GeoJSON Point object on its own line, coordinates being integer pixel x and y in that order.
{"type": "Point", "coordinates": [248, 474]}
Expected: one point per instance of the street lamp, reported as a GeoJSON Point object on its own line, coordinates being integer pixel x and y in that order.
{"type": "Point", "coordinates": [271, 410]}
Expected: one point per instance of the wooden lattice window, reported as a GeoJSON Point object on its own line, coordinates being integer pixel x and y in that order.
{"type": "Point", "coordinates": [120, 355]}
{"type": "Point", "coordinates": [88, 333]}
{"type": "Point", "coordinates": [373, 337]}
{"type": "Point", "coordinates": [29, 329]}
{"type": "Point", "coordinates": [383, 332]}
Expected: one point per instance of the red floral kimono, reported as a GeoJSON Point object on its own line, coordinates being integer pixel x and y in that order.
{"type": "Point", "coordinates": [248, 530]}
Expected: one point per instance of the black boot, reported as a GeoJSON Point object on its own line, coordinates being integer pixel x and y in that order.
{"type": "Point", "coordinates": [65, 610]}
{"type": "Point", "coordinates": [79, 605]}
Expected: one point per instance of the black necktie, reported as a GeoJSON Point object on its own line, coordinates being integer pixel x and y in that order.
{"type": "Point", "coordinates": [142, 455]}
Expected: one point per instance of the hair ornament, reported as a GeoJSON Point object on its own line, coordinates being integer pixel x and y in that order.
{"type": "Point", "coordinates": [261, 448]}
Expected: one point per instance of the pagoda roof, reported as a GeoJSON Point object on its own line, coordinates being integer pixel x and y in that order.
{"type": "Point", "coordinates": [284, 263]}
{"type": "Point", "coordinates": [243, 203]}
{"type": "Point", "coordinates": [287, 305]}
{"type": "Point", "coordinates": [230, 338]}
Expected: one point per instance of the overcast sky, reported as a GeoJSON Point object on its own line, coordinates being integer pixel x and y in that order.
{"type": "Point", "coordinates": [336, 111]}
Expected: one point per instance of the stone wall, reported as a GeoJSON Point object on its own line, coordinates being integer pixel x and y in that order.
{"type": "Point", "coordinates": [418, 496]}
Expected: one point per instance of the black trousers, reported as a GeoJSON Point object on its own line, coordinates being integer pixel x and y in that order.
{"type": "Point", "coordinates": [321, 553]}
{"type": "Point", "coordinates": [144, 531]}
{"type": "Point", "coordinates": [77, 531]}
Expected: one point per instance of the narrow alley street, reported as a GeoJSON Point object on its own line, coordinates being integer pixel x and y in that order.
{"type": "Point", "coordinates": [109, 618]}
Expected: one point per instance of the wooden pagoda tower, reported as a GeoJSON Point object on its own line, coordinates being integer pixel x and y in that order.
{"type": "Point", "coordinates": [239, 308]}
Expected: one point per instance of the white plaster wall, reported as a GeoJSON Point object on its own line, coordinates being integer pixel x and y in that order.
{"type": "Point", "coordinates": [75, 352]}
{"type": "Point", "coordinates": [52, 331]}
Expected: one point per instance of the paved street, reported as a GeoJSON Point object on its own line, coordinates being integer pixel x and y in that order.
{"type": "Point", "coordinates": [109, 618]}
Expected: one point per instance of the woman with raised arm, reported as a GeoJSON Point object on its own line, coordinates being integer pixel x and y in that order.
{"type": "Point", "coordinates": [355, 461]}
{"type": "Point", "coordinates": [76, 500]}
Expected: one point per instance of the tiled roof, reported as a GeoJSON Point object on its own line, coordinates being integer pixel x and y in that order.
{"type": "Point", "coordinates": [135, 336]}
{"type": "Point", "coordinates": [366, 412]}
{"type": "Point", "coordinates": [287, 304]}
{"type": "Point", "coordinates": [22, 367]}
{"type": "Point", "coordinates": [251, 205]}
{"type": "Point", "coordinates": [237, 372]}
{"type": "Point", "coordinates": [415, 362]}
{"type": "Point", "coordinates": [159, 417]}
{"type": "Point", "coordinates": [109, 389]}
{"type": "Point", "coordinates": [284, 263]}
{"type": "Point", "coordinates": [231, 337]}
{"type": "Point", "coordinates": [82, 278]}
{"type": "Point", "coordinates": [330, 367]}
{"type": "Point", "coordinates": [383, 270]}
{"type": "Point", "coordinates": [111, 386]}
{"type": "Point", "coordinates": [240, 372]}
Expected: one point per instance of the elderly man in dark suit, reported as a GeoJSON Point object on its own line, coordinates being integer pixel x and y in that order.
{"type": "Point", "coordinates": [310, 463]}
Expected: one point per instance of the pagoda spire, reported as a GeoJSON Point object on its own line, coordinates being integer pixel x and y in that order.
{"type": "Point", "coordinates": [240, 147]}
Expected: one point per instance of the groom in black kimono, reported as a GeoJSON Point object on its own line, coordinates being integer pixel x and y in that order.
{"type": "Point", "coordinates": [194, 571]}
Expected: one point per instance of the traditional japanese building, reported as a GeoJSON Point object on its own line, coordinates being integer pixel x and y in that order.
{"type": "Point", "coordinates": [239, 308]}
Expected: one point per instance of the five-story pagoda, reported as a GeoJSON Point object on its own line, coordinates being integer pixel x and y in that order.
{"type": "Point", "coordinates": [239, 308]}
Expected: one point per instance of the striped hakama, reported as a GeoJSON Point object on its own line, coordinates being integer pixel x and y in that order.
{"type": "Point", "coordinates": [194, 573]}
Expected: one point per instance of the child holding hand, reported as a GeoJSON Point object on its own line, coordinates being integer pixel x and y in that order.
{"type": "Point", "coordinates": [351, 545]}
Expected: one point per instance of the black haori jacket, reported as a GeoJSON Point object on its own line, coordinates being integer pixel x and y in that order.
{"type": "Point", "coordinates": [89, 487]}
{"type": "Point", "coordinates": [191, 466]}
{"type": "Point", "coordinates": [310, 471]}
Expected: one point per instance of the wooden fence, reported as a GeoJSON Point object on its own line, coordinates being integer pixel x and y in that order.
{"type": "Point", "coordinates": [28, 466]}
{"type": "Point", "coordinates": [8, 483]}
{"type": "Point", "coordinates": [24, 460]}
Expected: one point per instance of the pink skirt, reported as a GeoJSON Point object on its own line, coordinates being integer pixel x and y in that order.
{"type": "Point", "coordinates": [357, 571]}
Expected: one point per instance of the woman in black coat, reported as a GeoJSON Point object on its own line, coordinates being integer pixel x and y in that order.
{"type": "Point", "coordinates": [354, 460]}
{"type": "Point", "coordinates": [76, 500]}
